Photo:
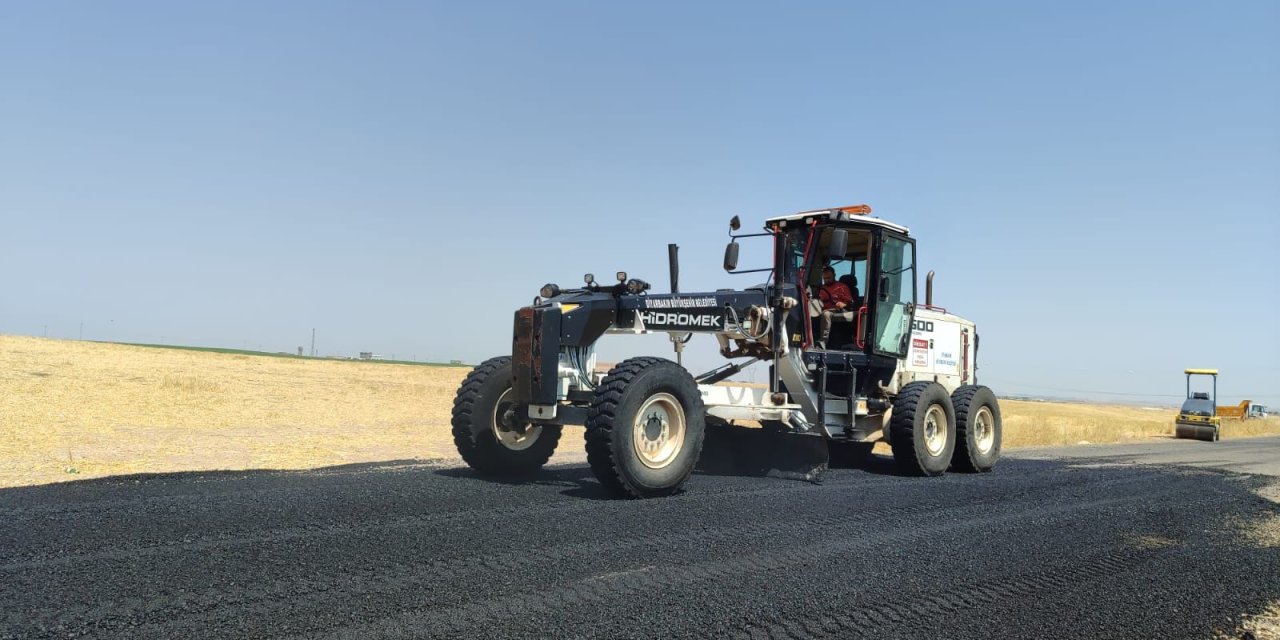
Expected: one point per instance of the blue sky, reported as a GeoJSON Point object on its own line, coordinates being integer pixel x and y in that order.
{"type": "Point", "coordinates": [1096, 183]}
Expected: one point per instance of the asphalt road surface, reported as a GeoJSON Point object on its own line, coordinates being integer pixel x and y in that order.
{"type": "Point", "coordinates": [1142, 541]}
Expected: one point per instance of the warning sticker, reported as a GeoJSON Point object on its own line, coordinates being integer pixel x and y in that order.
{"type": "Point", "coordinates": [919, 352]}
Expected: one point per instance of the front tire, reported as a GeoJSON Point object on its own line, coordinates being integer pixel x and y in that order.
{"type": "Point", "coordinates": [922, 429]}
{"type": "Point", "coordinates": [645, 428]}
{"type": "Point", "coordinates": [978, 429]}
{"type": "Point", "coordinates": [484, 437]}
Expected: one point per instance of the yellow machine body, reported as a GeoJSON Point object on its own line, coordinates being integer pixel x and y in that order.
{"type": "Point", "coordinates": [1198, 418]}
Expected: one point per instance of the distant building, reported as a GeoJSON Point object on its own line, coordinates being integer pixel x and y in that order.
{"type": "Point", "coordinates": [369, 355]}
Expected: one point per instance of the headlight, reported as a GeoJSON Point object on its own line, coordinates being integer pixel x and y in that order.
{"type": "Point", "coordinates": [549, 291]}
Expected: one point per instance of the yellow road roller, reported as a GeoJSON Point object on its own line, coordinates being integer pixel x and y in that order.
{"type": "Point", "coordinates": [1198, 418]}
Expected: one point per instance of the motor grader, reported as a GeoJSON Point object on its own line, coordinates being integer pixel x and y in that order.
{"type": "Point", "coordinates": [891, 370]}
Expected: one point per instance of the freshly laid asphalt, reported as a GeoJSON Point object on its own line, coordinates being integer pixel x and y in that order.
{"type": "Point", "coordinates": [1142, 541]}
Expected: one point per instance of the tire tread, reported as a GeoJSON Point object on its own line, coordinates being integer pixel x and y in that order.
{"type": "Point", "coordinates": [602, 419]}
{"type": "Point", "coordinates": [963, 459]}
{"type": "Point", "coordinates": [488, 458]}
{"type": "Point", "coordinates": [902, 427]}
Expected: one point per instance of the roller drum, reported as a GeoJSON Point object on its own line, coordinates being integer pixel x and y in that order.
{"type": "Point", "coordinates": [1207, 433]}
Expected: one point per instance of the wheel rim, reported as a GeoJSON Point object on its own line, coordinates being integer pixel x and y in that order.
{"type": "Point", "coordinates": [506, 435]}
{"type": "Point", "coordinates": [658, 431]}
{"type": "Point", "coordinates": [935, 429]}
{"type": "Point", "coordinates": [984, 430]}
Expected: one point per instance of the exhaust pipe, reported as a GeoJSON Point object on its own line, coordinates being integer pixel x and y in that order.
{"type": "Point", "coordinates": [673, 259]}
{"type": "Point", "coordinates": [928, 291]}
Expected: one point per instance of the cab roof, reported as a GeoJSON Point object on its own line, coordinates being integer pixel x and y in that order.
{"type": "Point", "coordinates": [857, 214]}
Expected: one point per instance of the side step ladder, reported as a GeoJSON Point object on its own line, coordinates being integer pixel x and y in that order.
{"type": "Point", "coordinates": [843, 412]}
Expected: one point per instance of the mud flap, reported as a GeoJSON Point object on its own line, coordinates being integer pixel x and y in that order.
{"type": "Point", "coordinates": [744, 451]}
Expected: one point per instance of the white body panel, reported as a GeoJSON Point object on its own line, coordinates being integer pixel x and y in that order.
{"type": "Point", "coordinates": [836, 214]}
{"type": "Point", "coordinates": [741, 402]}
{"type": "Point", "coordinates": [943, 347]}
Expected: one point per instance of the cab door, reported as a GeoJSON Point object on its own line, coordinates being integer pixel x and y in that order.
{"type": "Point", "coordinates": [895, 296]}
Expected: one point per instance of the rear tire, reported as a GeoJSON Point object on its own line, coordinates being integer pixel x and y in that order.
{"type": "Point", "coordinates": [483, 438]}
{"type": "Point", "coordinates": [645, 428]}
{"type": "Point", "coordinates": [978, 429]}
{"type": "Point", "coordinates": [922, 429]}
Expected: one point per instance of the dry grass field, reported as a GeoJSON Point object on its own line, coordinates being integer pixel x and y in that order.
{"type": "Point", "coordinates": [1028, 424]}
{"type": "Point", "coordinates": [71, 410]}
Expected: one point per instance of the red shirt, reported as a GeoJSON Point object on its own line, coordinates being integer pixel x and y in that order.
{"type": "Point", "coordinates": [833, 293]}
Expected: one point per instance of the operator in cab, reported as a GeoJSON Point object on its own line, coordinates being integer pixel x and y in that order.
{"type": "Point", "coordinates": [834, 302]}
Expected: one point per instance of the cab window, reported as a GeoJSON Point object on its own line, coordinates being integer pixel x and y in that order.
{"type": "Point", "coordinates": [895, 297]}
{"type": "Point", "coordinates": [853, 263]}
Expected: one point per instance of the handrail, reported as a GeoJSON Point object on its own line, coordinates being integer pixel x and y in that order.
{"type": "Point", "coordinates": [862, 313]}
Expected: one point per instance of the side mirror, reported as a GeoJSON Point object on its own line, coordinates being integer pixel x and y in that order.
{"type": "Point", "coordinates": [731, 256]}
{"type": "Point", "coordinates": [839, 243]}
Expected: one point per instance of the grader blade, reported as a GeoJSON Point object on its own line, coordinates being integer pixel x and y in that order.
{"type": "Point", "coordinates": [745, 451]}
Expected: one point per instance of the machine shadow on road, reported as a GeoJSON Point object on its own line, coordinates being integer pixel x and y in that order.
{"type": "Point", "coordinates": [575, 480]}
{"type": "Point", "coordinates": [578, 481]}
{"type": "Point", "coordinates": [727, 451]}
{"type": "Point", "coordinates": [754, 452]}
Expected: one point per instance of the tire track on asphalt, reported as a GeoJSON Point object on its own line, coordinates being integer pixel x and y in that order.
{"type": "Point", "coordinates": [481, 614]}
{"type": "Point", "coordinates": [875, 620]}
{"type": "Point", "coordinates": [212, 541]}
{"type": "Point", "coordinates": [423, 576]}
{"type": "Point", "coordinates": [370, 572]}
{"type": "Point", "coordinates": [376, 576]}
{"type": "Point", "coordinates": [295, 590]}
{"type": "Point", "coordinates": [215, 541]}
